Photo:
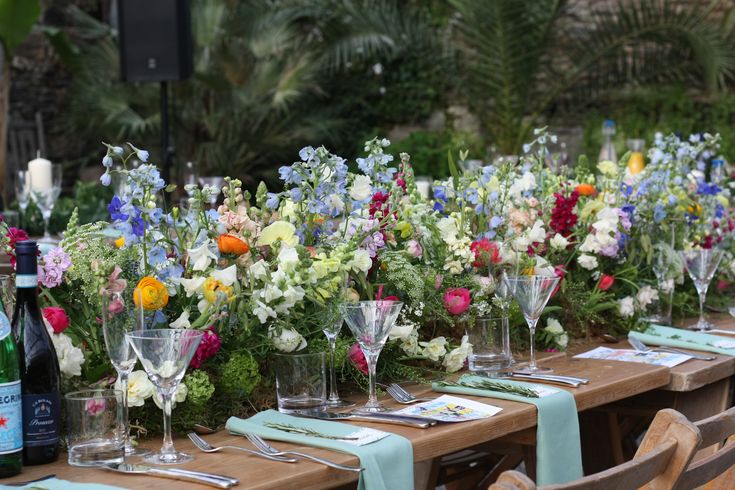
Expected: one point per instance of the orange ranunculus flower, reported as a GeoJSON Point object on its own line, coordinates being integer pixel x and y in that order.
{"type": "Point", "coordinates": [120, 242]}
{"type": "Point", "coordinates": [585, 189]}
{"type": "Point", "coordinates": [230, 244]}
{"type": "Point", "coordinates": [153, 294]}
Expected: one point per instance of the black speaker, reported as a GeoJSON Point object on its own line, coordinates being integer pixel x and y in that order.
{"type": "Point", "coordinates": [155, 40]}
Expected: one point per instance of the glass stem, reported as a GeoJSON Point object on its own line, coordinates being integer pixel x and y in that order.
{"type": "Point", "coordinates": [372, 362]}
{"type": "Point", "coordinates": [46, 219]}
{"type": "Point", "coordinates": [532, 328]}
{"type": "Point", "coordinates": [124, 383]}
{"type": "Point", "coordinates": [333, 396]}
{"type": "Point", "coordinates": [702, 296]}
{"type": "Point", "coordinates": [168, 444]}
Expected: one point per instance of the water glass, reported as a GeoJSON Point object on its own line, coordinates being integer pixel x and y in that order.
{"type": "Point", "coordinates": [488, 350]}
{"type": "Point", "coordinates": [301, 382]}
{"type": "Point", "coordinates": [95, 429]}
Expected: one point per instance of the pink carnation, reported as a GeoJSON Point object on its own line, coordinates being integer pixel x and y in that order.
{"type": "Point", "coordinates": [457, 300]}
{"type": "Point", "coordinates": [208, 347]}
{"type": "Point", "coordinates": [358, 358]}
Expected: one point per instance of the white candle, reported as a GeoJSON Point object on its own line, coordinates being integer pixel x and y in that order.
{"type": "Point", "coordinates": [39, 173]}
{"type": "Point", "coordinates": [423, 185]}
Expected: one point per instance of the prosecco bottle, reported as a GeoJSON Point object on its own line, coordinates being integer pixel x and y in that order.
{"type": "Point", "coordinates": [39, 367]}
{"type": "Point", "coordinates": [11, 418]}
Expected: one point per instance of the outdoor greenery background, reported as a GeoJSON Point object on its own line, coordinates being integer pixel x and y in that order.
{"type": "Point", "coordinates": [274, 75]}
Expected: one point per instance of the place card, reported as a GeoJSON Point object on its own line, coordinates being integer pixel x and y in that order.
{"type": "Point", "coordinates": [448, 408]}
{"type": "Point", "coordinates": [724, 344]}
{"type": "Point", "coordinates": [667, 359]}
{"type": "Point", "coordinates": [364, 436]}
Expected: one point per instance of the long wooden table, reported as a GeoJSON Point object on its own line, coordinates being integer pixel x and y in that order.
{"type": "Point", "coordinates": [609, 381]}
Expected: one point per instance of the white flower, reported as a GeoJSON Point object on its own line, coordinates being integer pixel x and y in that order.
{"type": "Point", "coordinates": [537, 232]}
{"type": "Point", "coordinates": [435, 348]}
{"type": "Point", "coordinates": [400, 331]}
{"type": "Point", "coordinates": [192, 286]}
{"type": "Point", "coordinates": [226, 276]}
{"type": "Point", "coordinates": [553, 326]}
{"type": "Point", "coordinates": [288, 341]}
{"type": "Point", "coordinates": [182, 321]}
{"type": "Point", "coordinates": [558, 242]}
{"type": "Point", "coordinates": [201, 256]}
{"type": "Point", "coordinates": [646, 295]}
{"type": "Point", "coordinates": [526, 182]}
{"type": "Point", "coordinates": [335, 202]}
{"type": "Point", "coordinates": [588, 262]}
{"type": "Point", "coordinates": [454, 361]}
{"type": "Point", "coordinates": [70, 357]}
{"type": "Point", "coordinates": [607, 168]}
{"type": "Point", "coordinates": [140, 388]}
{"type": "Point", "coordinates": [362, 188]}
{"type": "Point", "coordinates": [410, 345]}
{"type": "Point", "coordinates": [562, 340]}
{"type": "Point", "coordinates": [179, 396]}
{"type": "Point", "coordinates": [667, 285]}
{"type": "Point", "coordinates": [448, 229]}
{"type": "Point", "coordinates": [263, 311]}
{"type": "Point", "coordinates": [282, 231]}
{"type": "Point", "coordinates": [626, 307]}
{"type": "Point", "coordinates": [288, 258]}
{"type": "Point", "coordinates": [259, 270]}
{"type": "Point", "coordinates": [361, 261]}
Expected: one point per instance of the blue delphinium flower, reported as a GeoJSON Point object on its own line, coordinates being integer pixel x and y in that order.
{"type": "Point", "coordinates": [273, 200]}
{"type": "Point", "coordinates": [107, 161]}
{"type": "Point", "coordinates": [156, 256]}
{"type": "Point", "coordinates": [659, 213]}
{"type": "Point", "coordinates": [495, 221]}
{"type": "Point", "coordinates": [440, 193]}
{"type": "Point", "coordinates": [106, 179]}
{"type": "Point", "coordinates": [707, 189]}
{"type": "Point", "coordinates": [115, 210]}
{"type": "Point", "coordinates": [297, 195]}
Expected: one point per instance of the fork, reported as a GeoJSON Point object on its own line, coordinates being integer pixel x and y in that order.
{"type": "Point", "coordinates": [208, 448]}
{"type": "Point", "coordinates": [261, 444]}
{"type": "Point", "coordinates": [399, 394]}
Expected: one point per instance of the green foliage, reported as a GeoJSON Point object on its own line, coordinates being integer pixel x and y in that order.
{"type": "Point", "coordinates": [403, 275]}
{"type": "Point", "coordinates": [239, 375]}
{"type": "Point", "coordinates": [16, 20]}
{"type": "Point", "coordinates": [200, 387]}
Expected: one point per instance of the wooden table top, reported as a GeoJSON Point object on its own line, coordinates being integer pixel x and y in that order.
{"type": "Point", "coordinates": [609, 381]}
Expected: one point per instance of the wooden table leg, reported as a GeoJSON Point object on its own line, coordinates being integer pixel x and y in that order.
{"type": "Point", "coordinates": [425, 474]}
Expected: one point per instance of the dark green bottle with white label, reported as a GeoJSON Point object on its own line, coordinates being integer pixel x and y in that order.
{"type": "Point", "coordinates": [11, 415]}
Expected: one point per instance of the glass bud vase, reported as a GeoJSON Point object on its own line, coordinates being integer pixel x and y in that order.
{"type": "Point", "coordinates": [488, 336]}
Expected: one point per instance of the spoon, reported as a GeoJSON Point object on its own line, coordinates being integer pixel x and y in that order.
{"type": "Point", "coordinates": [203, 430]}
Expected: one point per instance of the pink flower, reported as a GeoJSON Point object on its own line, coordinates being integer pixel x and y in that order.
{"type": "Point", "coordinates": [457, 300]}
{"type": "Point", "coordinates": [50, 275]}
{"type": "Point", "coordinates": [57, 318]}
{"type": "Point", "coordinates": [438, 281]}
{"type": "Point", "coordinates": [114, 284]}
{"type": "Point", "coordinates": [414, 248]}
{"type": "Point", "coordinates": [358, 358]}
{"type": "Point", "coordinates": [208, 347]}
{"type": "Point", "coordinates": [116, 306]}
{"type": "Point", "coordinates": [486, 253]}
{"type": "Point", "coordinates": [95, 406]}
{"type": "Point", "coordinates": [606, 282]}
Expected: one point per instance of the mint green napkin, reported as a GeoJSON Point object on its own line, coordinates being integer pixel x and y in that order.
{"type": "Point", "coordinates": [558, 448]}
{"type": "Point", "coordinates": [388, 462]}
{"type": "Point", "coordinates": [683, 339]}
{"type": "Point", "coordinates": [56, 484]}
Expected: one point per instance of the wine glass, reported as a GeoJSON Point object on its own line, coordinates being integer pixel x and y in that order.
{"type": "Point", "coordinates": [532, 293]}
{"type": "Point", "coordinates": [165, 355]}
{"type": "Point", "coordinates": [213, 182]}
{"type": "Point", "coordinates": [702, 263]}
{"type": "Point", "coordinates": [120, 316]}
{"type": "Point", "coordinates": [23, 191]}
{"type": "Point", "coordinates": [190, 177]}
{"type": "Point", "coordinates": [45, 198]}
{"type": "Point", "coordinates": [371, 322]}
{"type": "Point", "coordinates": [332, 326]}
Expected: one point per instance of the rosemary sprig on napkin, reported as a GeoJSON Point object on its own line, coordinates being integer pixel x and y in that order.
{"type": "Point", "coordinates": [307, 432]}
{"type": "Point", "coordinates": [487, 384]}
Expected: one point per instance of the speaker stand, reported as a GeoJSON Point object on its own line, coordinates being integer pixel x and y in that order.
{"type": "Point", "coordinates": [167, 149]}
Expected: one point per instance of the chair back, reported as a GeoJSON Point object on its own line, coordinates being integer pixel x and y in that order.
{"type": "Point", "coordinates": [716, 470]}
{"type": "Point", "coordinates": [661, 459]}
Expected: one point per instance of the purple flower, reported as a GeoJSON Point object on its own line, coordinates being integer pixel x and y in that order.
{"type": "Point", "coordinates": [58, 257]}
{"type": "Point", "coordinates": [115, 209]}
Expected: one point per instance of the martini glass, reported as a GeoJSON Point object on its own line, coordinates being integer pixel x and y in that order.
{"type": "Point", "coordinates": [165, 354]}
{"type": "Point", "coordinates": [331, 330]}
{"type": "Point", "coordinates": [120, 316]}
{"type": "Point", "coordinates": [371, 322]}
{"type": "Point", "coordinates": [532, 293]}
{"type": "Point", "coordinates": [702, 263]}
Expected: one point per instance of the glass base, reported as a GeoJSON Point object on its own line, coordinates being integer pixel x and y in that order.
{"type": "Point", "coordinates": [536, 370]}
{"type": "Point", "coordinates": [372, 409]}
{"type": "Point", "coordinates": [131, 451]}
{"type": "Point", "coordinates": [338, 403]}
{"type": "Point", "coordinates": [702, 325]}
{"type": "Point", "coordinates": [169, 458]}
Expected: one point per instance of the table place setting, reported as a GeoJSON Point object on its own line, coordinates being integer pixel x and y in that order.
{"type": "Point", "coordinates": [660, 335]}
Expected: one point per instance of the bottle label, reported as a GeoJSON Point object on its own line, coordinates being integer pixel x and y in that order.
{"type": "Point", "coordinates": [4, 326]}
{"type": "Point", "coordinates": [26, 280]}
{"type": "Point", "coordinates": [11, 418]}
{"type": "Point", "coordinates": [41, 419]}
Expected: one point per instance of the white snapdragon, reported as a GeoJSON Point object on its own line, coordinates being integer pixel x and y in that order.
{"type": "Point", "coordinates": [362, 188]}
{"type": "Point", "coordinates": [626, 307]}
{"type": "Point", "coordinates": [182, 321]}
{"type": "Point", "coordinates": [288, 340]}
{"type": "Point", "coordinates": [588, 262]}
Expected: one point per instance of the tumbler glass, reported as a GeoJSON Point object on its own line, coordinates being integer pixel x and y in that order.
{"type": "Point", "coordinates": [301, 382]}
{"type": "Point", "coordinates": [96, 432]}
{"type": "Point", "coordinates": [488, 353]}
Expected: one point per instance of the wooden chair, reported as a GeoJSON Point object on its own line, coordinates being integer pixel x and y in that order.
{"type": "Point", "coordinates": [718, 469]}
{"type": "Point", "coordinates": [659, 463]}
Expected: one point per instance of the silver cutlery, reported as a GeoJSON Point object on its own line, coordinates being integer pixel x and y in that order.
{"type": "Point", "coordinates": [399, 394]}
{"type": "Point", "coordinates": [379, 417]}
{"type": "Point", "coordinates": [720, 331]}
{"type": "Point", "coordinates": [262, 445]}
{"type": "Point", "coordinates": [547, 378]}
{"type": "Point", "coordinates": [208, 448]}
{"type": "Point", "coordinates": [24, 483]}
{"type": "Point", "coordinates": [641, 347]}
{"type": "Point", "coordinates": [219, 481]}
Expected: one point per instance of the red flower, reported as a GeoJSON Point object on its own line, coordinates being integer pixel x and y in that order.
{"type": "Point", "coordinates": [57, 318]}
{"type": "Point", "coordinates": [208, 347]}
{"type": "Point", "coordinates": [606, 282]}
{"type": "Point", "coordinates": [563, 218]}
{"type": "Point", "coordinates": [457, 300]}
{"type": "Point", "coordinates": [560, 272]}
{"type": "Point", "coordinates": [486, 253]}
{"type": "Point", "coordinates": [358, 358]}
{"type": "Point", "coordinates": [14, 236]}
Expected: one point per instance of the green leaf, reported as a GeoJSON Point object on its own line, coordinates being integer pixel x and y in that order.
{"type": "Point", "coordinates": [171, 187]}
{"type": "Point", "coordinates": [453, 170]}
{"type": "Point", "coordinates": [16, 20]}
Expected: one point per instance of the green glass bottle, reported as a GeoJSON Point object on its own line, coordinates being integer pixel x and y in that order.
{"type": "Point", "coordinates": [11, 414]}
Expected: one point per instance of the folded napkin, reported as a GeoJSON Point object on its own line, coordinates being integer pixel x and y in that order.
{"type": "Point", "coordinates": [684, 339]}
{"type": "Point", "coordinates": [387, 463]}
{"type": "Point", "coordinates": [558, 448]}
{"type": "Point", "coordinates": [56, 484]}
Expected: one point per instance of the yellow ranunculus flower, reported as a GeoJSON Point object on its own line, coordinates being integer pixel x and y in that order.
{"type": "Point", "coordinates": [153, 294]}
{"type": "Point", "coordinates": [694, 209]}
{"type": "Point", "coordinates": [278, 230]}
{"type": "Point", "coordinates": [120, 242]}
{"type": "Point", "coordinates": [212, 288]}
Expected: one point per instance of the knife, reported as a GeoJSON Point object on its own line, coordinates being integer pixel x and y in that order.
{"type": "Point", "coordinates": [544, 378]}
{"type": "Point", "coordinates": [380, 417]}
{"type": "Point", "coordinates": [219, 481]}
{"type": "Point", "coordinates": [560, 377]}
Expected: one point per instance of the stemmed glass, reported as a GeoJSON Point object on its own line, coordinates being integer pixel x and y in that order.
{"type": "Point", "coordinates": [165, 354]}
{"type": "Point", "coordinates": [532, 293]}
{"type": "Point", "coordinates": [120, 316]}
{"type": "Point", "coordinates": [23, 191]}
{"type": "Point", "coordinates": [331, 330]}
{"type": "Point", "coordinates": [215, 182]}
{"type": "Point", "coordinates": [371, 322]}
{"type": "Point", "coordinates": [45, 198]}
{"type": "Point", "coordinates": [702, 263]}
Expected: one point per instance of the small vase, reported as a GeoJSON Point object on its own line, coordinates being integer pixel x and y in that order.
{"type": "Point", "coordinates": [488, 337]}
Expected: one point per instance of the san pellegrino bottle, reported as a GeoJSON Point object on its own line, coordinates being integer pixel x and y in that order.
{"type": "Point", "coordinates": [39, 367]}
{"type": "Point", "coordinates": [607, 152]}
{"type": "Point", "coordinates": [11, 417]}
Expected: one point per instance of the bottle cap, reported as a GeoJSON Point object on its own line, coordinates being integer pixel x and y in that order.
{"type": "Point", "coordinates": [26, 247]}
{"type": "Point", "coordinates": [26, 255]}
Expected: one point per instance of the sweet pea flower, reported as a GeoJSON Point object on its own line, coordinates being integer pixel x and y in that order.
{"type": "Point", "coordinates": [357, 357]}
{"type": "Point", "coordinates": [208, 347]}
{"type": "Point", "coordinates": [457, 300]}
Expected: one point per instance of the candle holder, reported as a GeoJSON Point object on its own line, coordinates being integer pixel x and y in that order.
{"type": "Point", "coordinates": [45, 190]}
